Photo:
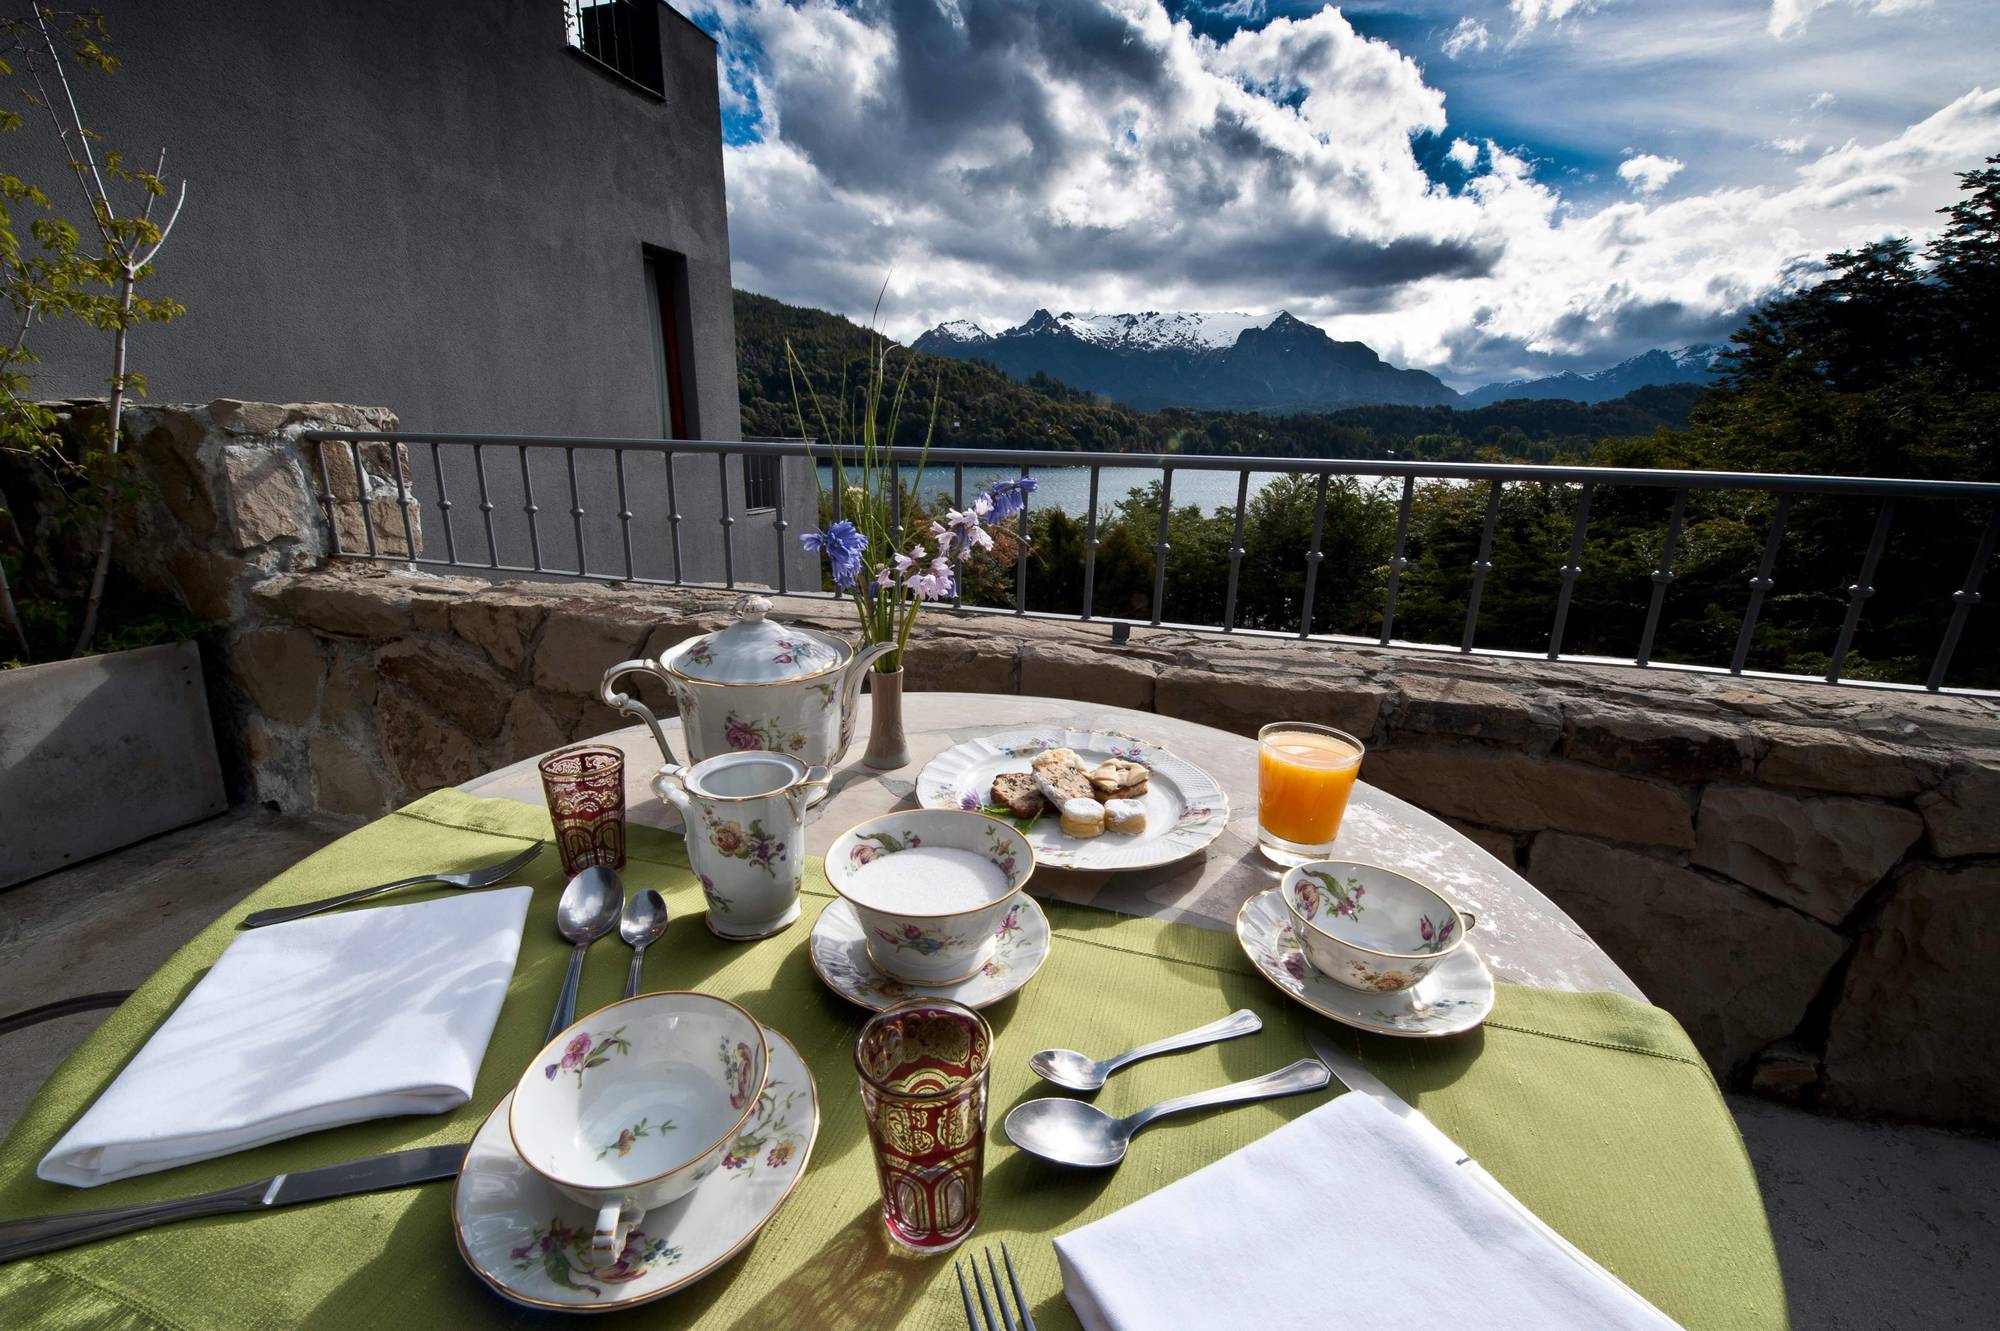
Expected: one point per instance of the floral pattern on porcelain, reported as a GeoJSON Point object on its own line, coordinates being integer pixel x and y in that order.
{"type": "Point", "coordinates": [585, 1051]}
{"type": "Point", "coordinates": [562, 1252]}
{"type": "Point", "coordinates": [629, 1137]}
{"type": "Point", "coordinates": [736, 1073]}
{"type": "Point", "coordinates": [770, 1140]}
{"type": "Point", "coordinates": [1340, 898]}
{"type": "Point", "coordinates": [1437, 937]}
{"type": "Point", "coordinates": [743, 733]}
{"type": "Point", "coordinates": [753, 845]}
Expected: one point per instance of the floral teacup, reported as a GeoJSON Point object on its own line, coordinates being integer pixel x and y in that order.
{"type": "Point", "coordinates": [744, 816]}
{"type": "Point", "coordinates": [1368, 927]}
{"type": "Point", "coordinates": [637, 1103]}
{"type": "Point", "coordinates": [918, 945]}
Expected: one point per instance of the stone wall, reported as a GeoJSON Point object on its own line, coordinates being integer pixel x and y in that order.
{"type": "Point", "coordinates": [1808, 877]}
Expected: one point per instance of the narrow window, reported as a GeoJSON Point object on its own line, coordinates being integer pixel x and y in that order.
{"type": "Point", "coordinates": [760, 481]}
{"type": "Point", "coordinates": [622, 36]}
{"type": "Point", "coordinates": [667, 311]}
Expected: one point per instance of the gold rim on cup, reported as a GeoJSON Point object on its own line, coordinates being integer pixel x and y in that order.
{"type": "Point", "coordinates": [1033, 864]}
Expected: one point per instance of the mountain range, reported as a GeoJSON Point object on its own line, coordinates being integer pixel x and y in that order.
{"type": "Point", "coordinates": [1219, 362]}
{"type": "Point", "coordinates": [1683, 365]}
{"type": "Point", "coordinates": [1245, 362]}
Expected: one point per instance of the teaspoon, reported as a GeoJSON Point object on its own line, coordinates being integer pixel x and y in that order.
{"type": "Point", "coordinates": [1073, 1132]}
{"type": "Point", "coordinates": [644, 920]}
{"type": "Point", "coordinates": [1076, 1072]}
{"type": "Point", "coordinates": [588, 911]}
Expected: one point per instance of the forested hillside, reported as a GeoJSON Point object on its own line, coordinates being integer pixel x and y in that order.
{"type": "Point", "coordinates": [983, 408]}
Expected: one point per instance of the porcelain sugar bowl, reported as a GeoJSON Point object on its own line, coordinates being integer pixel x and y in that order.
{"type": "Point", "coordinates": [756, 684]}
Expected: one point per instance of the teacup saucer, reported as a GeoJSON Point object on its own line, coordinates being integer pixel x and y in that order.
{"type": "Point", "coordinates": [532, 1245]}
{"type": "Point", "coordinates": [1455, 997]}
{"type": "Point", "coordinates": [839, 952]}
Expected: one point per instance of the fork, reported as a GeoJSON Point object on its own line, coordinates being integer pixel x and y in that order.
{"type": "Point", "coordinates": [485, 877]}
{"type": "Point", "coordinates": [982, 1320]}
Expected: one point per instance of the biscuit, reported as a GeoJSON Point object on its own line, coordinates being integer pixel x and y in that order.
{"type": "Point", "coordinates": [1126, 817]}
{"type": "Point", "coordinates": [1082, 818]}
{"type": "Point", "coordinates": [1019, 792]}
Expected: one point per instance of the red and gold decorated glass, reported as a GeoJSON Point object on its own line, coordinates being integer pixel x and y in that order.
{"type": "Point", "coordinates": [923, 1070]}
{"type": "Point", "coordinates": [585, 788]}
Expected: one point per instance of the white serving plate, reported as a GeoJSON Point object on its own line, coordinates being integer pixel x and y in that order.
{"type": "Point", "coordinates": [1455, 997]}
{"type": "Point", "coordinates": [1185, 808]}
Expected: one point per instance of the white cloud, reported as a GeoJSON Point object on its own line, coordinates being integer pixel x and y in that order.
{"type": "Point", "coordinates": [1100, 156]}
{"type": "Point", "coordinates": [1819, 101]}
{"type": "Point", "coordinates": [1469, 35]}
{"type": "Point", "coordinates": [1789, 147]}
{"type": "Point", "coordinates": [1648, 173]}
{"type": "Point", "coordinates": [1529, 14]}
{"type": "Point", "coordinates": [1789, 17]}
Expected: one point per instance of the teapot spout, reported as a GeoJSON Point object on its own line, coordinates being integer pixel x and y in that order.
{"type": "Point", "coordinates": [850, 686]}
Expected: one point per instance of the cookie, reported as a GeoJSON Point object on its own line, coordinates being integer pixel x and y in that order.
{"type": "Point", "coordinates": [1019, 792]}
{"type": "Point", "coordinates": [1125, 817]}
{"type": "Point", "coordinates": [1119, 778]}
{"type": "Point", "coordinates": [1082, 818]}
{"type": "Point", "coordinates": [1061, 777]}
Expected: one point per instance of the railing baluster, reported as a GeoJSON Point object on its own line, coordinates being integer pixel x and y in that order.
{"type": "Point", "coordinates": [1964, 599]}
{"type": "Point", "coordinates": [1861, 589]}
{"type": "Point", "coordinates": [532, 508]}
{"type": "Point", "coordinates": [778, 523]}
{"type": "Point", "coordinates": [396, 456]}
{"type": "Point", "coordinates": [1570, 571]}
{"type": "Point", "coordinates": [1090, 548]}
{"type": "Point", "coordinates": [1662, 576]}
{"type": "Point", "coordinates": [1235, 553]}
{"type": "Point", "coordinates": [326, 497]}
{"type": "Point", "coordinates": [1760, 584]}
{"type": "Point", "coordinates": [1397, 561]}
{"type": "Point", "coordinates": [444, 502]}
{"type": "Point", "coordinates": [958, 556]}
{"type": "Point", "coordinates": [624, 509]}
{"type": "Point", "coordinates": [1021, 554]}
{"type": "Point", "coordinates": [1160, 546]}
{"type": "Point", "coordinates": [1482, 564]}
{"type": "Point", "coordinates": [728, 521]}
{"type": "Point", "coordinates": [1313, 558]}
{"type": "Point", "coordinates": [576, 514]}
{"type": "Point", "coordinates": [673, 517]}
{"type": "Point", "coordinates": [485, 506]}
{"type": "Point", "coordinates": [361, 496]}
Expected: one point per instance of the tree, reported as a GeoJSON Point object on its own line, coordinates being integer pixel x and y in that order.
{"type": "Point", "coordinates": [62, 276]}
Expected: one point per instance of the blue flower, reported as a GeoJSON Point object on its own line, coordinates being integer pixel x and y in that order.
{"type": "Point", "coordinates": [842, 545]}
{"type": "Point", "coordinates": [1009, 497]}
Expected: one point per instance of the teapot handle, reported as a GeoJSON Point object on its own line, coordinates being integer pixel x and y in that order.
{"type": "Point", "coordinates": [631, 706]}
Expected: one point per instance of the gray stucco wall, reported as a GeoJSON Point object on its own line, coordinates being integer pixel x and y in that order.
{"type": "Point", "coordinates": [437, 207]}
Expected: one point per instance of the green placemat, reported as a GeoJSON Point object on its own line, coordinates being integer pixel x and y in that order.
{"type": "Point", "coordinates": [1593, 1109]}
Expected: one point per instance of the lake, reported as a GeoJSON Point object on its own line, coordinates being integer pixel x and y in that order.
{"type": "Point", "coordinates": [1068, 488]}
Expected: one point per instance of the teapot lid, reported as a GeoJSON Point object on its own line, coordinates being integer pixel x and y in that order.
{"type": "Point", "coordinates": [757, 650]}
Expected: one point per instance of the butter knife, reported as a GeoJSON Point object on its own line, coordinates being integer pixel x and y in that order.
{"type": "Point", "coordinates": [1357, 1078]}
{"type": "Point", "coordinates": [25, 1238]}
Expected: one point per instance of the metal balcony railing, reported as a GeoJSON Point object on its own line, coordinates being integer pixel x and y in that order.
{"type": "Point", "coordinates": [715, 506]}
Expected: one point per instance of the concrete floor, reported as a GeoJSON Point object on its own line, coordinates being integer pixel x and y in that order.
{"type": "Point", "coordinates": [1877, 1226]}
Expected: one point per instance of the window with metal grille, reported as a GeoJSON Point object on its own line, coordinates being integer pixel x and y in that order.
{"type": "Point", "coordinates": [760, 482]}
{"type": "Point", "coordinates": [622, 36]}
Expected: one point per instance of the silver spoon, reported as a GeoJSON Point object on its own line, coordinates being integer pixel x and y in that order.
{"type": "Point", "coordinates": [1073, 1132]}
{"type": "Point", "coordinates": [588, 911]}
{"type": "Point", "coordinates": [1067, 1068]}
{"type": "Point", "coordinates": [644, 920]}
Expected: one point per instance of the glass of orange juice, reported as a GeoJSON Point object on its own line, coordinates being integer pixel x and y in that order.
{"type": "Point", "coordinates": [1305, 773]}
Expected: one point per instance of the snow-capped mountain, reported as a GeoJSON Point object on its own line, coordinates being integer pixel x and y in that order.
{"type": "Point", "coordinates": [1177, 358]}
{"type": "Point", "coordinates": [1683, 365]}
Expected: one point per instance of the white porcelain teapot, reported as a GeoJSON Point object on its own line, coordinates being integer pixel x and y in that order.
{"type": "Point", "coordinates": [757, 684]}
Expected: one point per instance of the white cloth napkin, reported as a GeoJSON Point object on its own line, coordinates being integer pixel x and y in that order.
{"type": "Point", "coordinates": [313, 1024]}
{"type": "Point", "coordinates": [1345, 1217]}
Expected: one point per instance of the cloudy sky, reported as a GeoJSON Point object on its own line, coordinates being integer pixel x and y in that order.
{"type": "Point", "coordinates": [1481, 188]}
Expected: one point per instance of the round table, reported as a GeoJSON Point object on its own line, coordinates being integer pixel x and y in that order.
{"type": "Point", "coordinates": [1524, 937]}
